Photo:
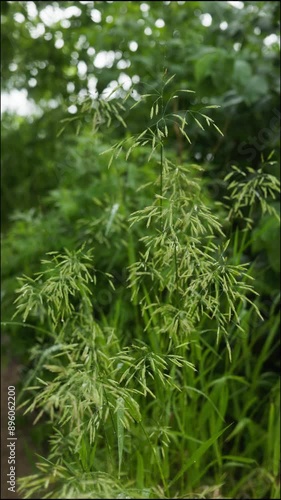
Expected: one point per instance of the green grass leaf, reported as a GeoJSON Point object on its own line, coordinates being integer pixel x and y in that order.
{"type": "Point", "coordinates": [198, 454]}
{"type": "Point", "coordinates": [120, 412]}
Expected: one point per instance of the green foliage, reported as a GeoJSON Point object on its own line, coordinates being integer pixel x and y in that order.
{"type": "Point", "coordinates": [115, 387]}
{"type": "Point", "coordinates": [146, 312]}
{"type": "Point", "coordinates": [227, 63]}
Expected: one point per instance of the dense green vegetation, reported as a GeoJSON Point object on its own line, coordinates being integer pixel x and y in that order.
{"type": "Point", "coordinates": [140, 254]}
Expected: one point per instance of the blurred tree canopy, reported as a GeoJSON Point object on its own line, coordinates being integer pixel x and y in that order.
{"type": "Point", "coordinates": [227, 52]}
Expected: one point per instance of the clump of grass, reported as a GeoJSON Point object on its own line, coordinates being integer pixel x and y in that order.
{"type": "Point", "coordinates": [151, 408]}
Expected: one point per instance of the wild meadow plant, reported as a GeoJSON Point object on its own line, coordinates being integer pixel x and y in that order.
{"type": "Point", "coordinates": [140, 409]}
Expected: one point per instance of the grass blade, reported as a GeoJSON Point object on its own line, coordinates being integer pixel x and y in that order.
{"type": "Point", "coordinates": [120, 431]}
{"type": "Point", "coordinates": [198, 453]}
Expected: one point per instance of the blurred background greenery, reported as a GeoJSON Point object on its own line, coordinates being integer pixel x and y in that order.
{"type": "Point", "coordinates": [54, 53]}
